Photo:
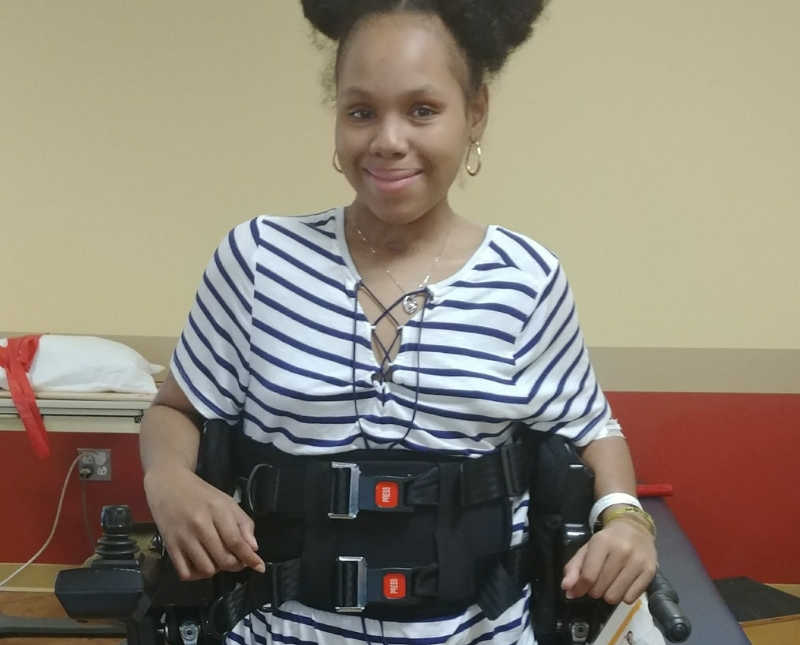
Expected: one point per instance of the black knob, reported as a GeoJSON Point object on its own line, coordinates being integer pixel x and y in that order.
{"type": "Point", "coordinates": [116, 519]}
{"type": "Point", "coordinates": [115, 544]}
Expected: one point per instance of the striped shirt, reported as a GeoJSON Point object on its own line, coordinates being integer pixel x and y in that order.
{"type": "Point", "coordinates": [277, 340]}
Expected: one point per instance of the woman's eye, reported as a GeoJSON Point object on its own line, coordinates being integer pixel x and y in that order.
{"type": "Point", "coordinates": [359, 114]}
{"type": "Point", "coordinates": [423, 112]}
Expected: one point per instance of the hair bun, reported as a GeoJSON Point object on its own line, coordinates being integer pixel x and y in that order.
{"type": "Point", "coordinates": [491, 29]}
{"type": "Point", "coordinates": [488, 30]}
{"type": "Point", "coordinates": [515, 20]}
{"type": "Point", "coordinates": [329, 17]}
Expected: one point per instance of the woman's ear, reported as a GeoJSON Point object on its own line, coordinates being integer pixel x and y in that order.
{"type": "Point", "coordinates": [478, 112]}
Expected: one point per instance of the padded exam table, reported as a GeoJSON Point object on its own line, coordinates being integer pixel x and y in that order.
{"type": "Point", "coordinates": [712, 621]}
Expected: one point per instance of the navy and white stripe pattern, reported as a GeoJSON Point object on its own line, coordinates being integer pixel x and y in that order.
{"type": "Point", "coordinates": [277, 339]}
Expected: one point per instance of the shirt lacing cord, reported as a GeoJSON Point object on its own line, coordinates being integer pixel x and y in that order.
{"type": "Point", "coordinates": [385, 373]}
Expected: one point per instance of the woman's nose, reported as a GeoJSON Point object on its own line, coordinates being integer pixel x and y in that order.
{"type": "Point", "coordinates": [390, 138]}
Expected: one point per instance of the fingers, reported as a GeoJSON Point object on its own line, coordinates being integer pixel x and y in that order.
{"type": "Point", "coordinates": [594, 563]}
{"type": "Point", "coordinates": [614, 565]}
{"type": "Point", "coordinates": [200, 563]}
{"type": "Point", "coordinates": [204, 529]}
{"type": "Point", "coordinates": [239, 541]}
{"type": "Point", "coordinates": [179, 562]}
{"type": "Point", "coordinates": [613, 584]}
{"type": "Point", "coordinates": [247, 528]}
{"type": "Point", "coordinates": [190, 559]}
{"type": "Point", "coordinates": [639, 586]}
{"type": "Point", "coordinates": [572, 574]}
{"type": "Point", "coordinates": [217, 547]}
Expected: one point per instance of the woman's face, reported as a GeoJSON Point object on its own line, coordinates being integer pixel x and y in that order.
{"type": "Point", "coordinates": [403, 122]}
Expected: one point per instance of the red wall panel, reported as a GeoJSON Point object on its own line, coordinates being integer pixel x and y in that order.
{"type": "Point", "coordinates": [29, 490]}
{"type": "Point", "coordinates": [733, 459]}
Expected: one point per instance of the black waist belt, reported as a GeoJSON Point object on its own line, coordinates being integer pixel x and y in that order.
{"type": "Point", "coordinates": [360, 480]}
{"type": "Point", "coordinates": [389, 592]}
{"type": "Point", "coordinates": [384, 534]}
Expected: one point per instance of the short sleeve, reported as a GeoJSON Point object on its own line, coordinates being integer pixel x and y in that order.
{"type": "Point", "coordinates": [211, 362]}
{"type": "Point", "coordinates": [565, 397]}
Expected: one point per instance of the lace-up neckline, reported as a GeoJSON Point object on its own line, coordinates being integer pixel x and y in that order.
{"type": "Point", "coordinates": [384, 354]}
{"type": "Point", "coordinates": [388, 355]}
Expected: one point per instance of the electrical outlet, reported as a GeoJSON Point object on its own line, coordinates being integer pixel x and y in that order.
{"type": "Point", "coordinates": [94, 464]}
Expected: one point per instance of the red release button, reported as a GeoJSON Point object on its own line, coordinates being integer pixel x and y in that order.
{"type": "Point", "coordinates": [386, 494]}
{"type": "Point", "coordinates": [394, 586]}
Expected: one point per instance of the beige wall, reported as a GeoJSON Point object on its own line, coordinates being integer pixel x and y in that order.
{"type": "Point", "coordinates": [654, 146]}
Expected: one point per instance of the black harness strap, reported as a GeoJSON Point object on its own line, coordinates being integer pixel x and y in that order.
{"type": "Point", "coordinates": [279, 583]}
{"type": "Point", "coordinates": [389, 534]}
{"type": "Point", "coordinates": [453, 547]}
{"type": "Point", "coordinates": [358, 586]}
{"type": "Point", "coordinates": [271, 488]}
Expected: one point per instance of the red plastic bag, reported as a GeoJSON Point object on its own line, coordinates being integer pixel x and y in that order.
{"type": "Point", "coordinates": [17, 359]}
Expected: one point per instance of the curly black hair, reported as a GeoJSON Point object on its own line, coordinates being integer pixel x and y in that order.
{"type": "Point", "coordinates": [486, 30]}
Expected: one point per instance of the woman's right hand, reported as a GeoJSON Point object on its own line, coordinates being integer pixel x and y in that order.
{"type": "Point", "coordinates": [204, 530]}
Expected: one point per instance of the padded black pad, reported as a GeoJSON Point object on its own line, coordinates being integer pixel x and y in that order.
{"type": "Point", "coordinates": [751, 600]}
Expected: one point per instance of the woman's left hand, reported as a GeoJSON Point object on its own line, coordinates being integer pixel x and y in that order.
{"type": "Point", "coordinates": [616, 564]}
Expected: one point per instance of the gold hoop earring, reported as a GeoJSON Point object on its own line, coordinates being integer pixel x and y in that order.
{"type": "Point", "coordinates": [336, 165]}
{"type": "Point", "coordinates": [474, 146]}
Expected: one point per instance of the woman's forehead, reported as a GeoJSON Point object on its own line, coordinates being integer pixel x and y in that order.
{"type": "Point", "coordinates": [405, 52]}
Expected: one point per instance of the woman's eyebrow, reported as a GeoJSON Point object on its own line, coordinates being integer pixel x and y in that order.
{"type": "Point", "coordinates": [354, 91]}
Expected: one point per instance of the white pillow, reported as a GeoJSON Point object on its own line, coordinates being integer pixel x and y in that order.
{"type": "Point", "coordinates": [87, 364]}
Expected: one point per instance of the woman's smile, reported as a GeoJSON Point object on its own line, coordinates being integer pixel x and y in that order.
{"type": "Point", "coordinates": [392, 179]}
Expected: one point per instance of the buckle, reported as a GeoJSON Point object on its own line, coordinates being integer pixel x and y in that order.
{"type": "Point", "coordinates": [353, 597]}
{"type": "Point", "coordinates": [356, 585]}
{"type": "Point", "coordinates": [391, 586]}
{"type": "Point", "coordinates": [249, 488]}
{"type": "Point", "coordinates": [337, 513]}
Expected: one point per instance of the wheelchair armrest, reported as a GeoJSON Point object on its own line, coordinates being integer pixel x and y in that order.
{"type": "Point", "coordinates": [712, 621]}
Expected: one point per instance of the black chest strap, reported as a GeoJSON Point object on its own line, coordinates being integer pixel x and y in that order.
{"type": "Point", "coordinates": [358, 586]}
{"type": "Point", "coordinates": [284, 488]}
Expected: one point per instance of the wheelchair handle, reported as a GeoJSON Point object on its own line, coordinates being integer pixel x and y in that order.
{"type": "Point", "coordinates": [663, 601]}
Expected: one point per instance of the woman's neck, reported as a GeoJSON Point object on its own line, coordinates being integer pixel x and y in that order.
{"type": "Point", "coordinates": [397, 240]}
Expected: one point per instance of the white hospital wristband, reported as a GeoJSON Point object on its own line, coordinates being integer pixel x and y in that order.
{"type": "Point", "coordinates": [610, 500]}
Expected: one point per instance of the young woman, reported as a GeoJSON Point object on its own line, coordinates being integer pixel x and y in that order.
{"type": "Point", "coordinates": [392, 323]}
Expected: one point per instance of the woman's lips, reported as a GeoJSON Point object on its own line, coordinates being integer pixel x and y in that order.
{"type": "Point", "coordinates": [392, 180]}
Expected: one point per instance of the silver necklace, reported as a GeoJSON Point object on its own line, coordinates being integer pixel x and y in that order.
{"type": "Point", "coordinates": [410, 304]}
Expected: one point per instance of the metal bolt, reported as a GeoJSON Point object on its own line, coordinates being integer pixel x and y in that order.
{"type": "Point", "coordinates": [157, 545]}
{"type": "Point", "coordinates": [579, 632]}
{"type": "Point", "coordinates": [190, 632]}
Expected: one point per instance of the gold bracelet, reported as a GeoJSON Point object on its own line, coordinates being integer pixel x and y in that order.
{"type": "Point", "coordinates": [631, 512]}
